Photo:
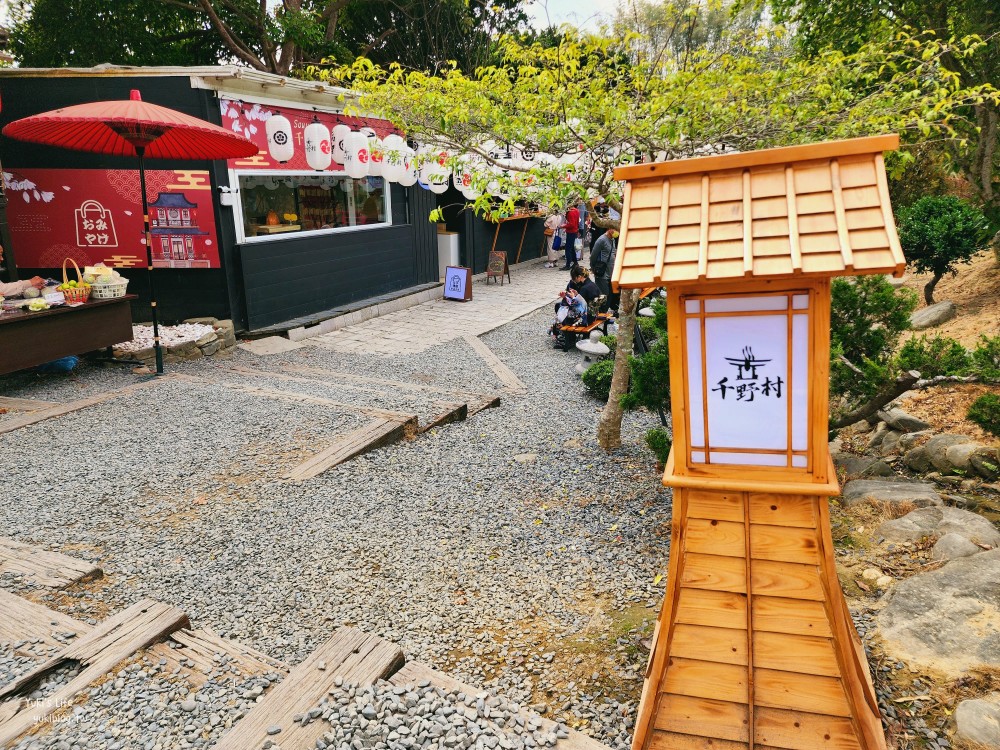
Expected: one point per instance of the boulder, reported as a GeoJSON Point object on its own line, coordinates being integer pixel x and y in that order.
{"type": "Point", "coordinates": [914, 439]}
{"type": "Point", "coordinates": [889, 442]}
{"type": "Point", "coordinates": [918, 459]}
{"type": "Point", "coordinates": [986, 462]}
{"type": "Point", "coordinates": [211, 348]}
{"type": "Point", "coordinates": [934, 315]}
{"type": "Point", "coordinates": [947, 619]}
{"type": "Point", "coordinates": [898, 491]}
{"type": "Point", "coordinates": [899, 420]}
{"type": "Point", "coordinates": [952, 546]}
{"type": "Point", "coordinates": [978, 720]}
{"type": "Point", "coordinates": [861, 466]}
{"type": "Point", "coordinates": [937, 448]}
{"type": "Point", "coordinates": [206, 321]}
{"type": "Point", "coordinates": [933, 521]}
{"type": "Point", "coordinates": [875, 439]}
{"type": "Point", "coordinates": [958, 455]}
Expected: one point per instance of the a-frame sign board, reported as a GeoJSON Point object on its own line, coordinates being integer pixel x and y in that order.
{"type": "Point", "coordinates": [754, 648]}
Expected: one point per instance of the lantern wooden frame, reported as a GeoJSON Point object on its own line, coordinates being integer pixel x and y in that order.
{"type": "Point", "coordinates": [754, 648]}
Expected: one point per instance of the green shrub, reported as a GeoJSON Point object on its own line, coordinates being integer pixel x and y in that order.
{"type": "Point", "coordinates": [938, 232]}
{"type": "Point", "coordinates": [935, 356]}
{"type": "Point", "coordinates": [597, 379]}
{"type": "Point", "coordinates": [659, 442]}
{"type": "Point", "coordinates": [659, 315]}
{"type": "Point", "coordinates": [650, 382]}
{"type": "Point", "coordinates": [612, 343]}
{"type": "Point", "coordinates": [985, 412]}
{"type": "Point", "coordinates": [986, 358]}
{"type": "Point", "coordinates": [867, 317]}
{"type": "Point", "coordinates": [648, 328]}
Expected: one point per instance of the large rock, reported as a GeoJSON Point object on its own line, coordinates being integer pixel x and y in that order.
{"type": "Point", "coordinates": [947, 619]}
{"type": "Point", "coordinates": [889, 442]}
{"type": "Point", "coordinates": [952, 546]}
{"type": "Point", "coordinates": [921, 494]}
{"type": "Point", "coordinates": [861, 466]}
{"type": "Point", "coordinates": [914, 439]}
{"type": "Point", "coordinates": [925, 522]}
{"type": "Point", "coordinates": [935, 315]}
{"type": "Point", "coordinates": [918, 459]}
{"type": "Point", "coordinates": [899, 420]}
{"type": "Point", "coordinates": [978, 720]}
{"type": "Point", "coordinates": [986, 462]}
{"type": "Point", "coordinates": [937, 450]}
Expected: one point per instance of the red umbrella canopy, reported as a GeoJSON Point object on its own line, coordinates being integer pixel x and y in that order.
{"type": "Point", "coordinates": [122, 126]}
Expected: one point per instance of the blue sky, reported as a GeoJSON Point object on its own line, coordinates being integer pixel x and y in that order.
{"type": "Point", "coordinates": [583, 13]}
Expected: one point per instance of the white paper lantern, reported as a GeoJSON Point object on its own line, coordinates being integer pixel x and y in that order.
{"type": "Point", "coordinates": [376, 159]}
{"type": "Point", "coordinates": [410, 171]}
{"type": "Point", "coordinates": [279, 138]}
{"type": "Point", "coordinates": [393, 141]}
{"type": "Point", "coordinates": [394, 164]}
{"type": "Point", "coordinates": [340, 133]}
{"type": "Point", "coordinates": [317, 145]}
{"type": "Point", "coordinates": [356, 156]}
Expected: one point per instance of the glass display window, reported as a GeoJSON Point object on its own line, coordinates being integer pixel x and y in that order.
{"type": "Point", "coordinates": [277, 205]}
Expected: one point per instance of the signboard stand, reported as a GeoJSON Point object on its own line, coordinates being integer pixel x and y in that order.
{"type": "Point", "coordinates": [458, 283]}
{"type": "Point", "coordinates": [497, 266]}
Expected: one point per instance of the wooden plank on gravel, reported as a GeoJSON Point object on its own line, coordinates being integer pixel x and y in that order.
{"type": "Point", "coordinates": [451, 413]}
{"type": "Point", "coordinates": [59, 410]}
{"type": "Point", "coordinates": [97, 652]}
{"type": "Point", "coordinates": [304, 398]}
{"type": "Point", "coordinates": [25, 404]}
{"type": "Point", "coordinates": [44, 568]}
{"type": "Point", "coordinates": [24, 620]}
{"type": "Point", "coordinates": [510, 380]}
{"type": "Point", "coordinates": [204, 647]}
{"type": "Point", "coordinates": [415, 673]}
{"type": "Point", "coordinates": [355, 657]}
{"type": "Point", "coordinates": [376, 433]}
{"type": "Point", "coordinates": [350, 377]}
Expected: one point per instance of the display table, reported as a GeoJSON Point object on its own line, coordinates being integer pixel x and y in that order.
{"type": "Point", "coordinates": [277, 228]}
{"type": "Point", "coordinates": [28, 339]}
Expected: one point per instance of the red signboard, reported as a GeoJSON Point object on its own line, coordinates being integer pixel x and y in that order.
{"type": "Point", "coordinates": [248, 120]}
{"type": "Point", "coordinates": [94, 216]}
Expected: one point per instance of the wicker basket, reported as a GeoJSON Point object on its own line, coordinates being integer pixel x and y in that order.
{"type": "Point", "coordinates": [77, 294]}
{"type": "Point", "coordinates": [109, 291]}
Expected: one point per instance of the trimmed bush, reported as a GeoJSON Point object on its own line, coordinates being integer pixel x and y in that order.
{"type": "Point", "coordinates": [612, 343]}
{"type": "Point", "coordinates": [659, 442]}
{"type": "Point", "coordinates": [985, 412]}
{"type": "Point", "coordinates": [933, 356]}
{"type": "Point", "coordinates": [650, 383]}
{"type": "Point", "coordinates": [986, 358]}
{"type": "Point", "coordinates": [649, 330]}
{"type": "Point", "coordinates": [597, 379]}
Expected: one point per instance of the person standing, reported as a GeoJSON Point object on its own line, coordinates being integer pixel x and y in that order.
{"type": "Point", "coordinates": [552, 224]}
{"type": "Point", "coordinates": [602, 263]}
{"type": "Point", "coordinates": [572, 227]}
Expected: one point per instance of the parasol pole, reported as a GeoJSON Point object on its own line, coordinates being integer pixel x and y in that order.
{"type": "Point", "coordinates": [140, 150]}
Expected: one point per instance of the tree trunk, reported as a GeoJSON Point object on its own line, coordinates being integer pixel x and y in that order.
{"type": "Point", "coordinates": [609, 428]}
{"type": "Point", "coordinates": [929, 288]}
{"type": "Point", "coordinates": [891, 392]}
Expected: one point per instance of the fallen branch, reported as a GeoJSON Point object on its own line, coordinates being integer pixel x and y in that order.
{"type": "Point", "coordinates": [891, 392]}
{"type": "Point", "coordinates": [946, 379]}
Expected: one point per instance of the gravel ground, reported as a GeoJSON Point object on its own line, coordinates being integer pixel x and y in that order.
{"type": "Point", "coordinates": [532, 577]}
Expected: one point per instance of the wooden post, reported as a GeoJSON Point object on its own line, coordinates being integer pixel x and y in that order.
{"type": "Point", "coordinates": [754, 648]}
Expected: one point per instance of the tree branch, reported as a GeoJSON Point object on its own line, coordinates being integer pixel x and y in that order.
{"type": "Point", "coordinates": [891, 392]}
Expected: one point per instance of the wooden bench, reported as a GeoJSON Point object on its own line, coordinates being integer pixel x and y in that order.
{"type": "Point", "coordinates": [571, 333]}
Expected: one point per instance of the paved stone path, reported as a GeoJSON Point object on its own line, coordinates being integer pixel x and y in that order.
{"type": "Point", "coordinates": [418, 328]}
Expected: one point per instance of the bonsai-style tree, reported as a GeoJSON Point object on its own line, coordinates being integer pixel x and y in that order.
{"type": "Point", "coordinates": [938, 233]}
{"type": "Point", "coordinates": [591, 103]}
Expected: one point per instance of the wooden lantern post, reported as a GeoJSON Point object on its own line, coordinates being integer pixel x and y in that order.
{"type": "Point", "coordinates": [754, 648]}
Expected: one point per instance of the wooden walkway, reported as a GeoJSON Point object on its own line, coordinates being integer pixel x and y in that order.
{"type": "Point", "coordinates": [43, 568]}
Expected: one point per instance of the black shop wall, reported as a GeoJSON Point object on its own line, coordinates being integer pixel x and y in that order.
{"type": "Point", "coordinates": [181, 293]}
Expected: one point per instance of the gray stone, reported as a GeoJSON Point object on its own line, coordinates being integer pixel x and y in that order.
{"type": "Point", "coordinates": [934, 315]}
{"type": "Point", "coordinates": [986, 462]}
{"type": "Point", "coordinates": [899, 420]}
{"type": "Point", "coordinates": [526, 458]}
{"type": "Point", "coordinates": [918, 459]}
{"type": "Point", "coordinates": [861, 466]}
{"type": "Point", "coordinates": [207, 338]}
{"type": "Point", "coordinates": [937, 449]}
{"type": "Point", "coordinates": [270, 345]}
{"type": "Point", "coordinates": [952, 546]}
{"type": "Point", "coordinates": [188, 706]}
{"type": "Point", "coordinates": [273, 730]}
{"type": "Point", "coordinates": [209, 349]}
{"type": "Point", "coordinates": [978, 720]}
{"type": "Point", "coordinates": [203, 321]}
{"type": "Point", "coordinates": [875, 440]}
{"type": "Point", "coordinates": [958, 455]}
{"type": "Point", "coordinates": [183, 349]}
{"type": "Point", "coordinates": [925, 522]}
{"type": "Point", "coordinates": [898, 491]}
{"type": "Point", "coordinates": [947, 619]}
{"type": "Point", "coordinates": [913, 439]}
{"type": "Point", "coordinates": [889, 442]}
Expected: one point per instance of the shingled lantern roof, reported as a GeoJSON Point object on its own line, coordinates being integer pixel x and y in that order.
{"type": "Point", "coordinates": [815, 210]}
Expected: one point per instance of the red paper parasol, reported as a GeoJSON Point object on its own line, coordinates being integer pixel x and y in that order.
{"type": "Point", "coordinates": [133, 128]}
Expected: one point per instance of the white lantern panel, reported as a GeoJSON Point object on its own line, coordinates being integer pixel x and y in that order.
{"type": "Point", "coordinates": [339, 138]}
{"type": "Point", "coordinates": [692, 306]}
{"type": "Point", "coordinates": [745, 304]}
{"type": "Point", "coordinates": [800, 301]}
{"type": "Point", "coordinates": [356, 155]}
{"type": "Point", "coordinates": [317, 146]}
{"type": "Point", "coordinates": [377, 157]}
{"type": "Point", "coordinates": [800, 382]}
{"type": "Point", "coordinates": [697, 430]}
{"type": "Point", "coordinates": [279, 138]}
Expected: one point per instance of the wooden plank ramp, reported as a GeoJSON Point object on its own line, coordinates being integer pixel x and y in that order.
{"type": "Point", "coordinates": [59, 410]}
{"type": "Point", "coordinates": [414, 673]}
{"type": "Point", "coordinates": [351, 655]}
{"type": "Point", "coordinates": [25, 404]}
{"type": "Point", "coordinates": [97, 652]}
{"type": "Point", "coordinates": [24, 620]}
{"type": "Point", "coordinates": [204, 647]}
{"type": "Point", "coordinates": [44, 568]}
{"type": "Point", "coordinates": [512, 383]}
{"type": "Point", "coordinates": [375, 433]}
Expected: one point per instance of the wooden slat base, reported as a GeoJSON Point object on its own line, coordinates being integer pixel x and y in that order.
{"type": "Point", "coordinates": [44, 568]}
{"type": "Point", "coordinates": [754, 648]}
{"type": "Point", "coordinates": [353, 656]}
{"type": "Point", "coordinates": [511, 382]}
{"type": "Point", "coordinates": [25, 620]}
{"type": "Point", "coordinates": [25, 404]}
{"type": "Point", "coordinates": [98, 652]}
{"type": "Point", "coordinates": [201, 647]}
{"type": "Point", "coordinates": [376, 433]}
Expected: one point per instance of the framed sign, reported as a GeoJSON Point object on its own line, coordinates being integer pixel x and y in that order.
{"type": "Point", "coordinates": [496, 267]}
{"type": "Point", "coordinates": [458, 283]}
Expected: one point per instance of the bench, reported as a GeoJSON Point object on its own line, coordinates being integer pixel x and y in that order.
{"type": "Point", "coordinates": [571, 333]}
